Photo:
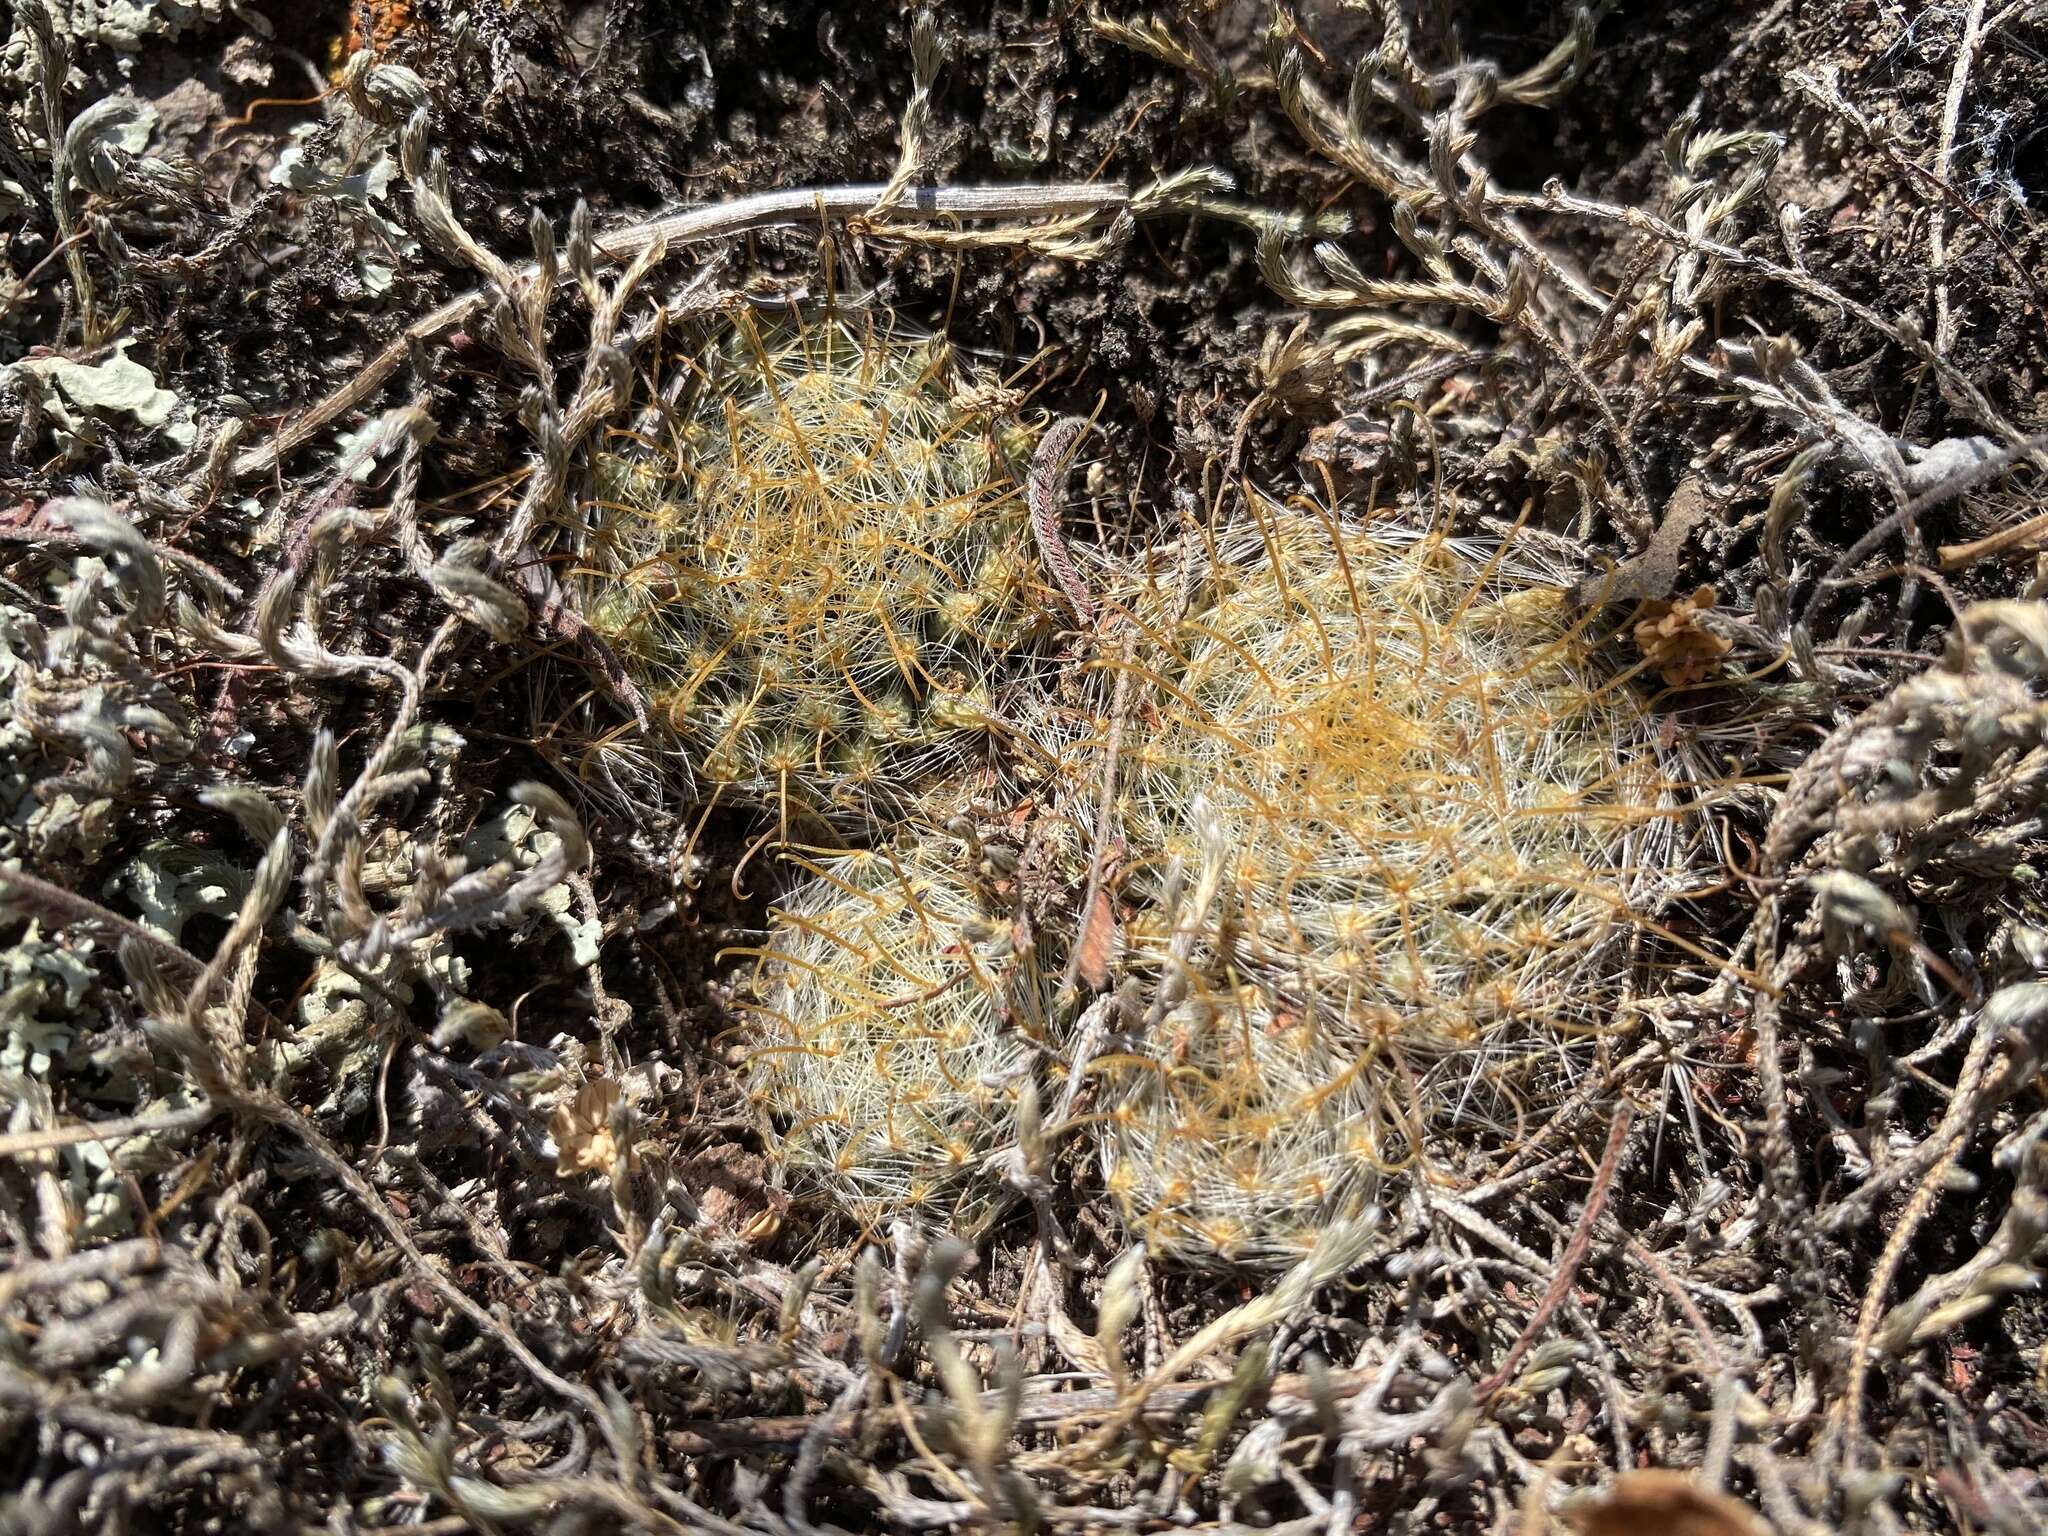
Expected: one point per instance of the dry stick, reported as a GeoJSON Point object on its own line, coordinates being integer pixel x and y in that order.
{"type": "Point", "coordinates": [59, 540]}
{"type": "Point", "coordinates": [1932, 1160]}
{"type": "Point", "coordinates": [344, 820]}
{"type": "Point", "coordinates": [270, 1108]}
{"type": "Point", "coordinates": [1568, 1264]}
{"type": "Point", "coordinates": [21, 1143]}
{"type": "Point", "coordinates": [1927, 1157]}
{"type": "Point", "coordinates": [1556, 350]}
{"type": "Point", "coordinates": [88, 1414]}
{"type": "Point", "coordinates": [69, 907]}
{"type": "Point", "coordinates": [1783, 1182]}
{"type": "Point", "coordinates": [1567, 1114]}
{"type": "Point", "coordinates": [1957, 484]}
{"type": "Point", "coordinates": [1401, 387]}
{"type": "Point", "coordinates": [1721, 1430]}
{"type": "Point", "coordinates": [54, 61]}
{"type": "Point", "coordinates": [1951, 115]}
{"type": "Point", "coordinates": [1847, 1418]}
{"type": "Point", "coordinates": [762, 210]}
{"type": "Point", "coordinates": [2018, 536]}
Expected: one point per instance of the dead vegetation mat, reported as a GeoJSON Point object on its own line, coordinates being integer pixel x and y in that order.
{"type": "Point", "coordinates": [378, 1152]}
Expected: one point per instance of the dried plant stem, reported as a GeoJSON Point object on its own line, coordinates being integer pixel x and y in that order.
{"type": "Point", "coordinates": [1042, 491]}
{"type": "Point", "coordinates": [1713, 1364]}
{"type": "Point", "coordinates": [1568, 1264]}
{"type": "Point", "coordinates": [17, 886]}
{"type": "Point", "coordinates": [321, 1150]}
{"type": "Point", "coordinates": [1847, 1419]}
{"type": "Point", "coordinates": [23, 1143]}
{"type": "Point", "coordinates": [1925, 1160]}
{"type": "Point", "coordinates": [1951, 116]}
{"type": "Point", "coordinates": [67, 907]}
{"type": "Point", "coordinates": [1948, 487]}
{"type": "Point", "coordinates": [1565, 1119]}
{"type": "Point", "coordinates": [1039, 1410]}
{"type": "Point", "coordinates": [88, 1414]}
{"type": "Point", "coordinates": [1105, 816]}
{"type": "Point", "coordinates": [1558, 200]}
{"type": "Point", "coordinates": [2022, 535]}
{"type": "Point", "coordinates": [762, 210]}
{"type": "Point", "coordinates": [53, 61]}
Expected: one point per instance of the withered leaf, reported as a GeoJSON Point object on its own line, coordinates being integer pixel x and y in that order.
{"type": "Point", "coordinates": [1101, 941]}
{"type": "Point", "coordinates": [1658, 1502]}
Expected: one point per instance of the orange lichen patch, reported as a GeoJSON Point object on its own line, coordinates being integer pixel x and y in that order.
{"type": "Point", "coordinates": [379, 25]}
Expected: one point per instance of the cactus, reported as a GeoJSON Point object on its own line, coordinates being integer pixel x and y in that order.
{"type": "Point", "coordinates": [1389, 831]}
{"type": "Point", "coordinates": [814, 576]}
{"type": "Point", "coordinates": [890, 1027]}
{"type": "Point", "coordinates": [1431, 824]}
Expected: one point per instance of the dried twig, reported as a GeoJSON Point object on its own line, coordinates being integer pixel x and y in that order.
{"type": "Point", "coordinates": [1568, 1262]}
{"type": "Point", "coordinates": [1944, 150]}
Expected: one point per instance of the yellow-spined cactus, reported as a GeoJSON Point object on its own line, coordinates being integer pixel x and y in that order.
{"type": "Point", "coordinates": [889, 1030]}
{"type": "Point", "coordinates": [1392, 831]}
{"type": "Point", "coordinates": [814, 572]}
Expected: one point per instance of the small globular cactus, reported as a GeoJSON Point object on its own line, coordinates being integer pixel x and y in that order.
{"type": "Point", "coordinates": [890, 1028]}
{"type": "Point", "coordinates": [1387, 833]}
{"type": "Point", "coordinates": [1392, 831]}
{"type": "Point", "coordinates": [814, 575]}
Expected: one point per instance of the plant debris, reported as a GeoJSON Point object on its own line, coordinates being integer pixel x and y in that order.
{"type": "Point", "coordinates": [1253, 766]}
